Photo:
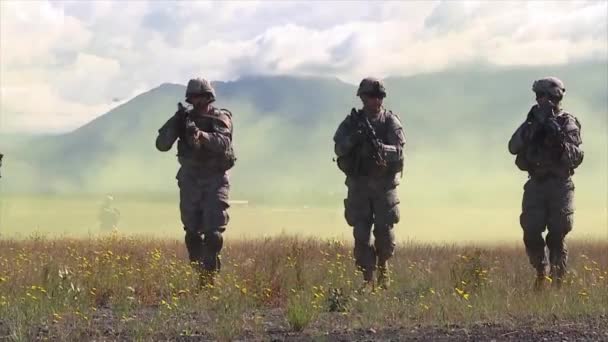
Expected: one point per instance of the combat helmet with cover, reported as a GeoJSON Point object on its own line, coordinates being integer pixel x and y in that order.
{"type": "Point", "coordinates": [551, 86]}
{"type": "Point", "coordinates": [371, 86]}
{"type": "Point", "coordinates": [199, 86]}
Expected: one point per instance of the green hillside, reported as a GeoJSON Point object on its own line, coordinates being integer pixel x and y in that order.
{"type": "Point", "coordinates": [457, 125]}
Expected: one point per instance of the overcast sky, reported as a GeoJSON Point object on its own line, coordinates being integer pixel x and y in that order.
{"type": "Point", "coordinates": [64, 63]}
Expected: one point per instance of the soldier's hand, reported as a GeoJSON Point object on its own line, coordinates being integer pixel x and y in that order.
{"type": "Point", "coordinates": [554, 133]}
{"type": "Point", "coordinates": [553, 127]}
{"type": "Point", "coordinates": [192, 135]}
{"type": "Point", "coordinates": [543, 111]}
{"type": "Point", "coordinates": [181, 112]}
{"type": "Point", "coordinates": [191, 128]}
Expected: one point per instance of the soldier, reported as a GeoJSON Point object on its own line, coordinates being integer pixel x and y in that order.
{"type": "Point", "coordinates": [369, 145]}
{"type": "Point", "coordinates": [547, 146]}
{"type": "Point", "coordinates": [108, 215]}
{"type": "Point", "coordinates": [204, 151]}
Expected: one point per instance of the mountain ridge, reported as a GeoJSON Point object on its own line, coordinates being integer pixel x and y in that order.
{"type": "Point", "coordinates": [284, 127]}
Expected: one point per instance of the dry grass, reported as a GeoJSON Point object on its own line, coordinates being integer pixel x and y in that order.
{"type": "Point", "coordinates": [119, 287]}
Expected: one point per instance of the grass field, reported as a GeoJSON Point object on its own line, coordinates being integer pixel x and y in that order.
{"type": "Point", "coordinates": [286, 288]}
{"type": "Point", "coordinates": [459, 274]}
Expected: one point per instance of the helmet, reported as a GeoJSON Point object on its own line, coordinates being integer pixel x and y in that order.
{"type": "Point", "coordinates": [371, 85]}
{"type": "Point", "coordinates": [552, 86]}
{"type": "Point", "coordinates": [199, 86]}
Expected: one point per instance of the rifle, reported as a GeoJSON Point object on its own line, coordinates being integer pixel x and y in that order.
{"type": "Point", "coordinates": [363, 125]}
{"type": "Point", "coordinates": [184, 116]}
{"type": "Point", "coordinates": [183, 110]}
{"type": "Point", "coordinates": [186, 127]}
{"type": "Point", "coordinates": [547, 129]}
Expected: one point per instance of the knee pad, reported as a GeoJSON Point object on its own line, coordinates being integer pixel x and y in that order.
{"type": "Point", "coordinates": [387, 209]}
{"type": "Point", "coordinates": [214, 240]}
{"type": "Point", "coordinates": [357, 210]}
{"type": "Point", "coordinates": [385, 242]}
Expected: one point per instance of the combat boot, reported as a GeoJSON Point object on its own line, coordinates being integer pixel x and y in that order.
{"type": "Point", "coordinates": [540, 284]}
{"type": "Point", "coordinates": [557, 275]}
{"type": "Point", "coordinates": [368, 285]}
{"type": "Point", "coordinates": [383, 276]}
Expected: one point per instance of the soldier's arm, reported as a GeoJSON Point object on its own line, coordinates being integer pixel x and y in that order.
{"type": "Point", "coordinates": [572, 154]}
{"type": "Point", "coordinates": [518, 139]}
{"type": "Point", "coordinates": [343, 138]}
{"type": "Point", "coordinates": [395, 138]}
{"type": "Point", "coordinates": [220, 139]}
{"type": "Point", "coordinates": [168, 134]}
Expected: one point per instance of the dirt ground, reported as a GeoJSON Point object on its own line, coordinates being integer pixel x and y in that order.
{"type": "Point", "coordinates": [105, 327]}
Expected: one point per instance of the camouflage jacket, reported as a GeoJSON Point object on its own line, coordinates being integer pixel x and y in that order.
{"type": "Point", "coordinates": [358, 152]}
{"type": "Point", "coordinates": [206, 146]}
{"type": "Point", "coordinates": [541, 157]}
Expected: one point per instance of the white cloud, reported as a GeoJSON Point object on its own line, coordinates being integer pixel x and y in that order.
{"type": "Point", "coordinates": [38, 108]}
{"type": "Point", "coordinates": [80, 55]}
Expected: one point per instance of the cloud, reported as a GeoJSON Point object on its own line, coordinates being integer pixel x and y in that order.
{"type": "Point", "coordinates": [82, 55]}
{"type": "Point", "coordinates": [38, 108]}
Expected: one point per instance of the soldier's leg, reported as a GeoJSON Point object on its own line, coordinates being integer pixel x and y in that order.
{"type": "Point", "coordinates": [533, 220]}
{"type": "Point", "coordinates": [194, 245]}
{"type": "Point", "coordinates": [365, 256]}
{"type": "Point", "coordinates": [358, 214]}
{"type": "Point", "coordinates": [386, 215]}
{"type": "Point", "coordinates": [215, 214]}
{"type": "Point", "coordinates": [191, 217]}
{"type": "Point", "coordinates": [561, 214]}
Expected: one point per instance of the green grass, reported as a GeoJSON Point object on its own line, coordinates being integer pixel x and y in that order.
{"type": "Point", "coordinates": [118, 287]}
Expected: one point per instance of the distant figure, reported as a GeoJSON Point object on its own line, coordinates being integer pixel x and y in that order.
{"type": "Point", "coordinates": [369, 145]}
{"type": "Point", "coordinates": [547, 146]}
{"type": "Point", "coordinates": [108, 215]}
{"type": "Point", "coordinates": [1, 156]}
{"type": "Point", "coordinates": [205, 153]}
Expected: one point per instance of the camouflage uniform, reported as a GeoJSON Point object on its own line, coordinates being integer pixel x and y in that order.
{"type": "Point", "coordinates": [372, 198]}
{"type": "Point", "coordinates": [547, 146]}
{"type": "Point", "coordinates": [205, 153]}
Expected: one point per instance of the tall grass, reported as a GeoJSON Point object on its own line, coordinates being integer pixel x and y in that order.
{"type": "Point", "coordinates": [140, 288]}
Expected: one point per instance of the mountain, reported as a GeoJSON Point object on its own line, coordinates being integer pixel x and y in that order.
{"type": "Point", "coordinates": [457, 124]}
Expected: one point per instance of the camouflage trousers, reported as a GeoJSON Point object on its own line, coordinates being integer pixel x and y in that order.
{"type": "Point", "coordinates": [204, 214]}
{"type": "Point", "coordinates": [368, 205]}
{"type": "Point", "coordinates": [547, 204]}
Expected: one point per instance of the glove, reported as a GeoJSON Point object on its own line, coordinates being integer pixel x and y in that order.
{"type": "Point", "coordinates": [192, 133]}
{"type": "Point", "coordinates": [554, 133]}
{"type": "Point", "coordinates": [543, 111]}
{"type": "Point", "coordinates": [553, 128]}
{"type": "Point", "coordinates": [191, 128]}
{"type": "Point", "coordinates": [181, 112]}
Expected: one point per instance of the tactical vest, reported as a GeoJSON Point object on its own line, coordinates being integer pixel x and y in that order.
{"type": "Point", "coordinates": [359, 161]}
{"type": "Point", "coordinates": [203, 157]}
{"type": "Point", "coordinates": [539, 160]}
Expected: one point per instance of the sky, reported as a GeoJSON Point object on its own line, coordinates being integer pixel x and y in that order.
{"type": "Point", "coordinates": [62, 63]}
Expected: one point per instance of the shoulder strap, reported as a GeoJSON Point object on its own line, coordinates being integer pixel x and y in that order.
{"type": "Point", "coordinates": [221, 115]}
